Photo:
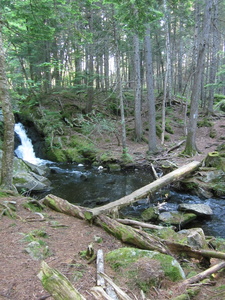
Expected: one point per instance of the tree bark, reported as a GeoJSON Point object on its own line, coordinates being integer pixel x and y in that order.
{"type": "Point", "coordinates": [64, 206]}
{"type": "Point", "coordinates": [137, 70]}
{"type": "Point", "coordinates": [152, 144]}
{"type": "Point", "coordinates": [8, 141]}
{"type": "Point", "coordinates": [202, 39]}
{"type": "Point", "coordinates": [57, 284]}
{"type": "Point", "coordinates": [131, 236]}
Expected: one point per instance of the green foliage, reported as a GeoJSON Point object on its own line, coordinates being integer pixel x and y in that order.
{"type": "Point", "coordinates": [204, 123]}
{"type": "Point", "coordinates": [97, 124]}
{"type": "Point", "coordinates": [220, 106]}
{"type": "Point", "coordinates": [168, 128]}
{"type": "Point", "coordinates": [158, 130]}
{"type": "Point", "coordinates": [33, 205]}
{"type": "Point", "coordinates": [126, 157]}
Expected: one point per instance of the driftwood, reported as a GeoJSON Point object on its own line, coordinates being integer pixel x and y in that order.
{"type": "Point", "coordinates": [57, 284]}
{"type": "Point", "coordinates": [147, 190]}
{"type": "Point", "coordinates": [99, 293]}
{"type": "Point", "coordinates": [118, 290]}
{"type": "Point", "coordinates": [140, 224]}
{"type": "Point", "coordinates": [204, 274]}
{"type": "Point", "coordinates": [103, 289]}
{"type": "Point", "coordinates": [100, 268]}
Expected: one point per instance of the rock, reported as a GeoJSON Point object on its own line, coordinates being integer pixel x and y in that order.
{"type": "Point", "coordinates": [26, 178]}
{"type": "Point", "coordinates": [176, 218]}
{"type": "Point", "coordinates": [150, 214]}
{"type": "Point", "coordinates": [37, 250]}
{"type": "Point", "coordinates": [41, 170]}
{"type": "Point", "coordinates": [144, 268]}
{"type": "Point", "coordinates": [30, 182]}
{"type": "Point", "coordinates": [198, 209]}
{"type": "Point", "coordinates": [195, 237]}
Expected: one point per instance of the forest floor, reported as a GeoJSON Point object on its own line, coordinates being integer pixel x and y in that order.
{"type": "Point", "coordinates": [67, 236]}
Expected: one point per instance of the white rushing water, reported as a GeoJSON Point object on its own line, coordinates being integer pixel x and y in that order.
{"type": "Point", "coordinates": [25, 151]}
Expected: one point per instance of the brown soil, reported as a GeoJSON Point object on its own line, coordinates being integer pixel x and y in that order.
{"type": "Point", "coordinates": [18, 271]}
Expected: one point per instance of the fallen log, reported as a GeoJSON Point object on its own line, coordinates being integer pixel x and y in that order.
{"type": "Point", "coordinates": [204, 274]}
{"type": "Point", "coordinates": [133, 236]}
{"type": "Point", "coordinates": [63, 206]}
{"type": "Point", "coordinates": [130, 235]}
{"type": "Point", "coordinates": [57, 284]}
{"type": "Point", "coordinates": [147, 190]}
{"type": "Point", "coordinates": [177, 249]}
{"type": "Point", "coordinates": [140, 224]}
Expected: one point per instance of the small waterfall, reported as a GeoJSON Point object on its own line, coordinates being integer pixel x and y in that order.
{"type": "Point", "coordinates": [26, 151]}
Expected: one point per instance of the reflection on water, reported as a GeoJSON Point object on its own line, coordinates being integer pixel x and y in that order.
{"type": "Point", "coordinates": [90, 187]}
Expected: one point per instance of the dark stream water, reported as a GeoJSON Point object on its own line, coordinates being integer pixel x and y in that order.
{"type": "Point", "coordinates": [90, 187]}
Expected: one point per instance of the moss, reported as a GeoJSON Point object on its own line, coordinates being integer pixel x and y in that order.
{"type": "Point", "coordinates": [212, 133]}
{"type": "Point", "coordinates": [121, 259]}
{"type": "Point", "coordinates": [150, 214]}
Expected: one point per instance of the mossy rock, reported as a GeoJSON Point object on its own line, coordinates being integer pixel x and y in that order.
{"type": "Point", "coordinates": [176, 218]}
{"type": "Point", "coordinates": [129, 261]}
{"type": "Point", "coordinates": [114, 167]}
{"type": "Point", "coordinates": [150, 214]}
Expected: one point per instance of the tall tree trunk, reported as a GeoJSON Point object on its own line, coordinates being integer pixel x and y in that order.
{"type": "Point", "coordinates": [137, 70]}
{"type": "Point", "coordinates": [191, 148]}
{"type": "Point", "coordinates": [90, 68]}
{"type": "Point", "coordinates": [120, 87]}
{"type": "Point", "coordinates": [152, 147]}
{"type": "Point", "coordinates": [8, 142]}
{"type": "Point", "coordinates": [214, 59]}
{"type": "Point", "coordinates": [168, 85]}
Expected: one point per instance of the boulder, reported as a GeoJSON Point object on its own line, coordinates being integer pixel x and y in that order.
{"type": "Point", "coordinates": [194, 237]}
{"type": "Point", "coordinates": [144, 268]}
{"type": "Point", "coordinates": [198, 209]}
{"type": "Point", "coordinates": [176, 218]}
{"type": "Point", "coordinates": [26, 177]}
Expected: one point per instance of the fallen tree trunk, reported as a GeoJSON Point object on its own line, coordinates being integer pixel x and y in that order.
{"type": "Point", "coordinates": [130, 235]}
{"type": "Point", "coordinates": [177, 249]}
{"type": "Point", "coordinates": [141, 224]}
{"type": "Point", "coordinates": [63, 206]}
{"type": "Point", "coordinates": [57, 284]}
{"type": "Point", "coordinates": [204, 274]}
{"type": "Point", "coordinates": [147, 190]}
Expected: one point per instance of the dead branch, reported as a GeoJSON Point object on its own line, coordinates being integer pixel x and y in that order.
{"type": "Point", "coordinates": [204, 274]}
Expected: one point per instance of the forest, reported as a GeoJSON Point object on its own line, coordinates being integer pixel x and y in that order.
{"type": "Point", "coordinates": [150, 48]}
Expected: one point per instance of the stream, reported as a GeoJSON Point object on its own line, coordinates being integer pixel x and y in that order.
{"type": "Point", "coordinates": [93, 186]}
